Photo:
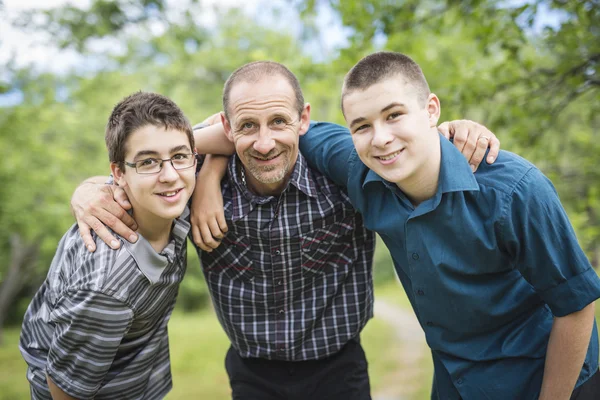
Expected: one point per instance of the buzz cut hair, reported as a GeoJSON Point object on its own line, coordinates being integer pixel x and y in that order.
{"type": "Point", "coordinates": [257, 70]}
{"type": "Point", "coordinates": [137, 111]}
{"type": "Point", "coordinates": [376, 67]}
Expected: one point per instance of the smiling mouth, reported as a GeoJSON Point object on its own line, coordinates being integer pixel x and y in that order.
{"type": "Point", "coordinates": [389, 156]}
{"type": "Point", "coordinates": [262, 158]}
{"type": "Point", "coordinates": [169, 193]}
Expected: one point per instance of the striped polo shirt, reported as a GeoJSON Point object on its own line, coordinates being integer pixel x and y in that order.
{"type": "Point", "coordinates": [98, 324]}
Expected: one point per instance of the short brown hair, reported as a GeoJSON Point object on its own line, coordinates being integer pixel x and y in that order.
{"type": "Point", "coordinates": [255, 71]}
{"type": "Point", "coordinates": [136, 111]}
{"type": "Point", "coordinates": [378, 66]}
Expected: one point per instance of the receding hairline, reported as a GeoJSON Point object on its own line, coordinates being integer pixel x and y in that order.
{"type": "Point", "coordinates": [258, 71]}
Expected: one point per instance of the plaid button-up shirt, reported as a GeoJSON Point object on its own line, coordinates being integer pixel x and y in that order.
{"type": "Point", "coordinates": [292, 279]}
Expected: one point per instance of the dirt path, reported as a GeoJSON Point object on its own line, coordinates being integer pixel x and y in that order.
{"type": "Point", "coordinates": [410, 350]}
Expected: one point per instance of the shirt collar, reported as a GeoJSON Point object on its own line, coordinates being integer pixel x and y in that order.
{"type": "Point", "coordinates": [455, 172]}
{"type": "Point", "coordinates": [153, 264]}
{"type": "Point", "coordinates": [245, 200]}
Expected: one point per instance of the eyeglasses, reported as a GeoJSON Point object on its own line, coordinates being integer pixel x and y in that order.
{"type": "Point", "coordinates": [154, 165]}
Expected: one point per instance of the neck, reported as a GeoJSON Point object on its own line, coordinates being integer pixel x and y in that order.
{"type": "Point", "coordinates": [423, 184]}
{"type": "Point", "coordinates": [156, 231]}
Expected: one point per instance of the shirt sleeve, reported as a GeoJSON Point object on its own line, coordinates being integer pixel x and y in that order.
{"type": "Point", "coordinates": [89, 327]}
{"type": "Point", "coordinates": [327, 148]}
{"type": "Point", "coordinates": [542, 243]}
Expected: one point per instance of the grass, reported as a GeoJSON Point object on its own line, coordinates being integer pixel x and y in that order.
{"type": "Point", "coordinates": [198, 347]}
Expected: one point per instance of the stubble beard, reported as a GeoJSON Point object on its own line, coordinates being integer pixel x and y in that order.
{"type": "Point", "coordinates": [266, 175]}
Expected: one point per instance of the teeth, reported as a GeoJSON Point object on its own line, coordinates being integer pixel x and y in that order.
{"type": "Point", "coordinates": [389, 157]}
{"type": "Point", "coordinates": [169, 194]}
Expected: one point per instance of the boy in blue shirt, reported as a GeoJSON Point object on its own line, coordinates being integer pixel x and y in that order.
{"type": "Point", "coordinates": [489, 261]}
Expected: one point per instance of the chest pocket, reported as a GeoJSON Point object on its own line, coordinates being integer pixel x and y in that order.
{"type": "Point", "coordinates": [331, 249]}
{"type": "Point", "coordinates": [230, 260]}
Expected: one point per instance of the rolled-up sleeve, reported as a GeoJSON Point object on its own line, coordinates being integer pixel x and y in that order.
{"type": "Point", "coordinates": [327, 148]}
{"type": "Point", "coordinates": [89, 327]}
{"type": "Point", "coordinates": [540, 238]}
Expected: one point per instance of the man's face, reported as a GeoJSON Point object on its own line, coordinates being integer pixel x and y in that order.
{"type": "Point", "coordinates": [392, 130]}
{"type": "Point", "coordinates": [162, 195]}
{"type": "Point", "coordinates": [264, 126]}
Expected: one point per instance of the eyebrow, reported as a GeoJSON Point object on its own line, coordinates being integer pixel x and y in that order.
{"type": "Point", "coordinates": [384, 109]}
{"type": "Point", "coordinates": [154, 153]}
{"type": "Point", "coordinates": [392, 105]}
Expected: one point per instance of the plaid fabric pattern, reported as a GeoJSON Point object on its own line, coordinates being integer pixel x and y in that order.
{"type": "Point", "coordinates": [292, 279]}
{"type": "Point", "coordinates": [98, 324]}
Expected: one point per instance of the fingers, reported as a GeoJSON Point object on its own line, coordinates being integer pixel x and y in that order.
{"type": "Point", "coordinates": [208, 239]}
{"type": "Point", "coordinates": [460, 132]}
{"type": "Point", "coordinates": [445, 130]}
{"type": "Point", "coordinates": [494, 150]}
{"type": "Point", "coordinates": [120, 197]}
{"type": "Point", "coordinates": [102, 232]}
{"type": "Point", "coordinates": [197, 237]}
{"type": "Point", "coordinates": [479, 153]}
{"type": "Point", "coordinates": [208, 232]}
{"type": "Point", "coordinates": [84, 232]}
{"type": "Point", "coordinates": [222, 223]}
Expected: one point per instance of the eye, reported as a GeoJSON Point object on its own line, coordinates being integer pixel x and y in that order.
{"type": "Point", "coordinates": [279, 121]}
{"type": "Point", "coordinates": [394, 115]}
{"type": "Point", "coordinates": [148, 162]}
{"type": "Point", "coordinates": [247, 125]}
{"type": "Point", "coordinates": [361, 128]}
{"type": "Point", "coordinates": [181, 156]}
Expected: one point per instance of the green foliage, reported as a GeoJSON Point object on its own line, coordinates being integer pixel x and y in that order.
{"type": "Point", "coordinates": [536, 87]}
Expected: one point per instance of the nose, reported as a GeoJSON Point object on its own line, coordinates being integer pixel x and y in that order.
{"type": "Point", "coordinates": [264, 143]}
{"type": "Point", "coordinates": [168, 173]}
{"type": "Point", "coordinates": [381, 136]}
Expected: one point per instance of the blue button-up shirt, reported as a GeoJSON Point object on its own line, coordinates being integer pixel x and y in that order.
{"type": "Point", "coordinates": [487, 262]}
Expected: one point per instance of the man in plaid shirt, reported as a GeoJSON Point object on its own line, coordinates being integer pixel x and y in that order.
{"type": "Point", "coordinates": [291, 281]}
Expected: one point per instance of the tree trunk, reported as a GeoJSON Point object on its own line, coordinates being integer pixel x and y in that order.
{"type": "Point", "coordinates": [23, 257]}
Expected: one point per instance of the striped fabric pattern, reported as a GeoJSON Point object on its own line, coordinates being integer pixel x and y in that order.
{"type": "Point", "coordinates": [98, 324]}
{"type": "Point", "coordinates": [292, 279]}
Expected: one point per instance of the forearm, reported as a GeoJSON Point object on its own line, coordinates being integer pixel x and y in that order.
{"type": "Point", "coordinates": [213, 169]}
{"type": "Point", "coordinates": [56, 392]}
{"type": "Point", "coordinates": [212, 140]}
{"type": "Point", "coordinates": [567, 347]}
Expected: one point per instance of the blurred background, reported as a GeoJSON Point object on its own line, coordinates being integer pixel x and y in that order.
{"type": "Point", "coordinates": [529, 70]}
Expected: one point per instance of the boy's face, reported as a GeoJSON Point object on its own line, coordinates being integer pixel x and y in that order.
{"type": "Point", "coordinates": [392, 130]}
{"type": "Point", "coordinates": [161, 195]}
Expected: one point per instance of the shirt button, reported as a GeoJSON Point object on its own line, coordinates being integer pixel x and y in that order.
{"type": "Point", "coordinates": [415, 256]}
{"type": "Point", "coordinates": [429, 323]}
{"type": "Point", "coordinates": [420, 292]}
{"type": "Point", "coordinates": [277, 252]}
{"type": "Point", "coordinates": [281, 312]}
{"type": "Point", "coordinates": [459, 381]}
{"type": "Point", "coordinates": [279, 283]}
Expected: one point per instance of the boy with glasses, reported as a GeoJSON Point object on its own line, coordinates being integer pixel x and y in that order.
{"type": "Point", "coordinates": [97, 327]}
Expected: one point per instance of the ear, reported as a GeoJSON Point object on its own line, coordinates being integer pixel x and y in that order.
{"type": "Point", "coordinates": [304, 119]}
{"type": "Point", "coordinates": [226, 127]}
{"type": "Point", "coordinates": [434, 110]}
{"type": "Point", "coordinates": [118, 174]}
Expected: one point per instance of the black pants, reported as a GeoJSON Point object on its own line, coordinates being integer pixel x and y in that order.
{"type": "Point", "coordinates": [590, 390]}
{"type": "Point", "coordinates": [341, 376]}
